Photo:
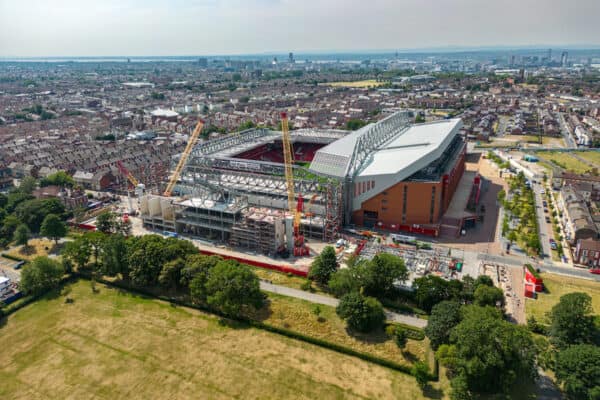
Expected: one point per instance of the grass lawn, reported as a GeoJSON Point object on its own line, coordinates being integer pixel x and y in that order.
{"type": "Point", "coordinates": [556, 286]}
{"type": "Point", "coordinates": [356, 84]}
{"type": "Point", "coordinates": [35, 248]}
{"type": "Point", "coordinates": [566, 161]}
{"type": "Point", "coordinates": [592, 156]}
{"type": "Point", "coordinates": [113, 344]}
{"type": "Point", "coordinates": [297, 315]}
{"type": "Point", "coordinates": [280, 278]}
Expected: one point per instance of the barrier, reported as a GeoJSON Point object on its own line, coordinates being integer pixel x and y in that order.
{"type": "Point", "coordinates": [260, 264]}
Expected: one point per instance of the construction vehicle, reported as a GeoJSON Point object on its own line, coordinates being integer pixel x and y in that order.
{"type": "Point", "coordinates": [184, 156]}
{"type": "Point", "coordinates": [295, 208]}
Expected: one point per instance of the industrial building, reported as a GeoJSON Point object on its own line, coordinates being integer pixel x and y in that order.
{"type": "Point", "coordinates": [392, 174]}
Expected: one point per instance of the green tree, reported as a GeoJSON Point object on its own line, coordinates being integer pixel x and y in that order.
{"type": "Point", "coordinates": [489, 296]}
{"type": "Point", "coordinates": [399, 335]}
{"type": "Point", "coordinates": [355, 124]}
{"type": "Point", "coordinates": [40, 275]}
{"type": "Point", "coordinates": [106, 222]}
{"type": "Point", "coordinates": [361, 313]}
{"type": "Point", "coordinates": [32, 212]}
{"type": "Point", "coordinates": [382, 272]}
{"type": "Point", "coordinates": [21, 236]}
{"type": "Point", "coordinates": [146, 258]}
{"type": "Point", "coordinates": [323, 266]}
{"type": "Point", "coordinates": [430, 290]}
{"type": "Point", "coordinates": [170, 274]}
{"type": "Point", "coordinates": [346, 280]}
{"type": "Point", "coordinates": [444, 317]}
{"type": "Point", "coordinates": [78, 251]}
{"type": "Point", "coordinates": [53, 227]}
{"type": "Point", "coordinates": [60, 178]}
{"type": "Point", "coordinates": [571, 320]}
{"type": "Point", "coordinates": [231, 287]}
{"type": "Point", "coordinates": [491, 352]}
{"type": "Point", "coordinates": [113, 256]}
{"type": "Point", "coordinates": [421, 373]}
{"type": "Point", "coordinates": [28, 185]}
{"type": "Point", "coordinates": [578, 370]}
{"type": "Point", "coordinates": [197, 266]}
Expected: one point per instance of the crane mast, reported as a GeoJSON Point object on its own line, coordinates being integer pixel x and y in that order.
{"type": "Point", "coordinates": [127, 174]}
{"type": "Point", "coordinates": [184, 156]}
{"type": "Point", "coordinates": [288, 162]}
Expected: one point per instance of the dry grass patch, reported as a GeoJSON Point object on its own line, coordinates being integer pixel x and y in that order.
{"type": "Point", "coordinates": [591, 156]}
{"type": "Point", "coordinates": [557, 286]}
{"type": "Point", "coordinates": [565, 161]}
{"type": "Point", "coordinates": [113, 344]}
{"type": "Point", "coordinates": [35, 248]}
{"type": "Point", "coordinates": [300, 316]}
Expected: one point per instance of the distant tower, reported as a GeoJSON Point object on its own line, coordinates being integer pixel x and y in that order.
{"type": "Point", "coordinates": [564, 59]}
{"type": "Point", "coordinates": [549, 55]}
{"type": "Point", "coordinates": [291, 58]}
{"type": "Point", "coordinates": [203, 62]}
{"type": "Point", "coordinates": [512, 60]}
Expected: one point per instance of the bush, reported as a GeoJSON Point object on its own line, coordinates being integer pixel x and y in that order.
{"type": "Point", "coordinates": [363, 314]}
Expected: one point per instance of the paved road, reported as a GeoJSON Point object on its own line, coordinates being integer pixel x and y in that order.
{"type": "Point", "coordinates": [565, 132]}
{"type": "Point", "coordinates": [333, 302]}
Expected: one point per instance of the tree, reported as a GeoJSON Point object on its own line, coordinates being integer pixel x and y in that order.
{"type": "Point", "coordinates": [399, 335]}
{"type": "Point", "coordinates": [60, 178]}
{"type": "Point", "coordinates": [488, 296]}
{"type": "Point", "coordinates": [430, 290]}
{"type": "Point", "coordinates": [578, 370]}
{"type": "Point", "coordinates": [323, 266]}
{"type": "Point", "coordinates": [355, 124]}
{"type": "Point", "coordinates": [78, 251]}
{"type": "Point", "coordinates": [41, 275]}
{"type": "Point", "coordinates": [421, 373]}
{"type": "Point", "coordinates": [231, 287]}
{"type": "Point", "coordinates": [146, 258]}
{"type": "Point", "coordinates": [490, 352]}
{"type": "Point", "coordinates": [197, 266]}
{"type": "Point", "coordinates": [361, 313]}
{"type": "Point", "coordinates": [22, 234]}
{"type": "Point", "coordinates": [113, 256]}
{"type": "Point", "coordinates": [170, 274]}
{"type": "Point", "coordinates": [53, 227]}
{"type": "Point", "coordinates": [444, 317]}
{"type": "Point", "coordinates": [346, 280]}
{"type": "Point", "coordinates": [106, 222]}
{"type": "Point", "coordinates": [32, 212]}
{"type": "Point", "coordinates": [28, 185]}
{"type": "Point", "coordinates": [382, 272]}
{"type": "Point", "coordinates": [571, 320]}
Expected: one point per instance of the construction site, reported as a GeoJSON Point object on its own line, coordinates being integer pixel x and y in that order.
{"type": "Point", "coordinates": [271, 191]}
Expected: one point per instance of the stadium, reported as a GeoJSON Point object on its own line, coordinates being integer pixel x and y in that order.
{"type": "Point", "coordinates": [393, 175]}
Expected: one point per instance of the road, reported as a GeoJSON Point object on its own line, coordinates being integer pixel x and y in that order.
{"type": "Point", "coordinates": [565, 132]}
{"type": "Point", "coordinates": [333, 302]}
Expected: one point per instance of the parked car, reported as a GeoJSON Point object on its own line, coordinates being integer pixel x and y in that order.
{"type": "Point", "coordinates": [545, 203]}
{"type": "Point", "coordinates": [547, 219]}
{"type": "Point", "coordinates": [542, 191]}
{"type": "Point", "coordinates": [546, 210]}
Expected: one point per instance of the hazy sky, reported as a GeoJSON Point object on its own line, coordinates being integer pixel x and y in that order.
{"type": "Point", "coordinates": [205, 27]}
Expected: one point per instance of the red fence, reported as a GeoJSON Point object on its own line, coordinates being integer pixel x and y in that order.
{"type": "Point", "coordinates": [260, 264]}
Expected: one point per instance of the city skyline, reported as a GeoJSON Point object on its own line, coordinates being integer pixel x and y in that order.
{"type": "Point", "coordinates": [211, 27]}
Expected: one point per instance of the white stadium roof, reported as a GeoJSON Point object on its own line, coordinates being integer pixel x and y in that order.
{"type": "Point", "coordinates": [424, 142]}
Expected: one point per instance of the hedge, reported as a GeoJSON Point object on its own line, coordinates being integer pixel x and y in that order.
{"type": "Point", "coordinates": [411, 332]}
{"type": "Point", "coordinates": [535, 274]}
{"type": "Point", "coordinates": [267, 327]}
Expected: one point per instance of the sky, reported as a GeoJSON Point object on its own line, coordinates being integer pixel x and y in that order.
{"type": "Point", "coordinates": [44, 28]}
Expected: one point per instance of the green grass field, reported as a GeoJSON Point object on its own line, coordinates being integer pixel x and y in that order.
{"type": "Point", "coordinates": [566, 161]}
{"type": "Point", "coordinates": [113, 344]}
{"type": "Point", "coordinates": [556, 286]}
{"type": "Point", "coordinates": [591, 156]}
{"type": "Point", "coordinates": [356, 84]}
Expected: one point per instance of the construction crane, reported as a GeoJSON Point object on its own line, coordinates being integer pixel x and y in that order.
{"type": "Point", "coordinates": [184, 156]}
{"type": "Point", "coordinates": [295, 208]}
{"type": "Point", "coordinates": [127, 174]}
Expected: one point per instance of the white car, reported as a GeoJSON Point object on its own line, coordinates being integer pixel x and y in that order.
{"type": "Point", "coordinates": [542, 191]}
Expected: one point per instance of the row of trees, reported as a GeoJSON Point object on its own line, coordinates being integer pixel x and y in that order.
{"type": "Point", "coordinates": [169, 265]}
